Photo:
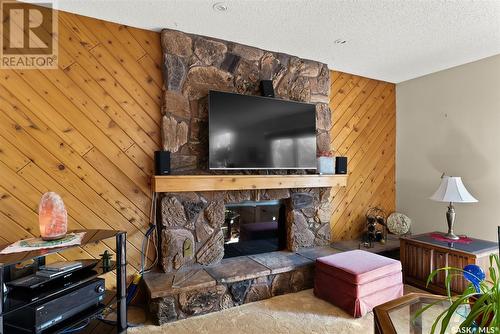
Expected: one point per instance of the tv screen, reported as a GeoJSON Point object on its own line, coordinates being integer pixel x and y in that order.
{"type": "Point", "coordinates": [253, 132]}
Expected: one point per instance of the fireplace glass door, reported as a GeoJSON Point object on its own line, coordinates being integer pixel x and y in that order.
{"type": "Point", "coordinates": [254, 227]}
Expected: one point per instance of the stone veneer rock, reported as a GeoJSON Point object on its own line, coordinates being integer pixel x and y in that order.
{"type": "Point", "coordinates": [193, 65]}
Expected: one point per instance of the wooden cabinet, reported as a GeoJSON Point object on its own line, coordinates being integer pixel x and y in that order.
{"type": "Point", "coordinates": [422, 254]}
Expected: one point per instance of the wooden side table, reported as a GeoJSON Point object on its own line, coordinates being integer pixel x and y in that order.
{"type": "Point", "coordinates": [389, 249]}
{"type": "Point", "coordinates": [421, 254]}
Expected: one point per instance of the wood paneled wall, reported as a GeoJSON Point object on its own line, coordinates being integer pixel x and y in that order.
{"type": "Point", "coordinates": [87, 130]}
{"type": "Point", "coordinates": [364, 130]}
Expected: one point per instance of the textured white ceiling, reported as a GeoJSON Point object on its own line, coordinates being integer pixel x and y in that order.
{"type": "Point", "coordinates": [387, 40]}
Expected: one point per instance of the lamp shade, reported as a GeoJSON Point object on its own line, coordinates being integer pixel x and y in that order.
{"type": "Point", "coordinates": [453, 190]}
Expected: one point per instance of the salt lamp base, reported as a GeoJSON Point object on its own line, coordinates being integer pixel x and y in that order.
{"type": "Point", "coordinates": [50, 238]}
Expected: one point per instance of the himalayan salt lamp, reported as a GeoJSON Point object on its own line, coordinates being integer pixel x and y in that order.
{"type": "Point", "coordinates": [52, 217]}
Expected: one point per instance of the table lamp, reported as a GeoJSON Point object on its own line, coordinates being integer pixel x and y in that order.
{"type": "Point", "coordinates": [452, 190]}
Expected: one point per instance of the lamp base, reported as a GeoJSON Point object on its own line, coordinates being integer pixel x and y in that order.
{"type": "Point", "coordinates": [451, 236]}
{"type": "Point", "coordinates": [450, 219]}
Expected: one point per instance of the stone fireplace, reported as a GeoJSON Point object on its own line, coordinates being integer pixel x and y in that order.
{"type": "Point", "coordinates": [193, 279]}
{"type": "Point", "coordinates": [192, 222]}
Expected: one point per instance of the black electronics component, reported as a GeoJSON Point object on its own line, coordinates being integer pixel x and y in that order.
{"type": "Point", "coordinates": [38, 317]}
{"type": "Point", "coordinates": [340, 165]}
{"type": "Point", "coordinates": [51, 274]}
{"type": "Point", "coordinates": [43, 277]}
{"type": "Point", "coordinates": [62, 266]}
{"type": "Point", "coordinates": [58, 269]}
{"type": "Point", "coordinates": [266, 88]}
{"type": "Point", "coordinates": [31, 281]}
{"type": "Point", "coordinates": [162, 162]}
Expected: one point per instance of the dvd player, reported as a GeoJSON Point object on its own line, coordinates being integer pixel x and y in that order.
{"type": "Point", "coordinates": [47, 275]}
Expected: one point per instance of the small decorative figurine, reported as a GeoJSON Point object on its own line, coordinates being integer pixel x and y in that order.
{"type": "Point", "coordinates": [106, 261]}
{"type": "Point", "coordinates": [474, 274]}
{"type": "Point", "coordinates": [376, 227]}
{"type": "Point", "coordinates": [52, 217]}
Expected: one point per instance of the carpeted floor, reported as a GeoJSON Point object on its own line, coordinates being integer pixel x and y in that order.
{"type": "Point", "coordinates": [299, 312]}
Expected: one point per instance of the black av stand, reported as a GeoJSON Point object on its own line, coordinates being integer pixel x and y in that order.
{"type": "Point", "coordinates": [88, 317]}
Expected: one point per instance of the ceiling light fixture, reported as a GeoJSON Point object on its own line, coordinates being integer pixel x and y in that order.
{"type": "Point", "coordinates": [219, 7]}
{"type": "Point", "coordinates": [340, 41]}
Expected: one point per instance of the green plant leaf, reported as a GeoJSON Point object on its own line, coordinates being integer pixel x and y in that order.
{"type": "Point", "coordinates": [451, 310]}
{"type": "Point", "coordinates": [486, 315]}
{"type": "Point", "coordinates": [434, 325]}
{"type": "Point", "coordinates": [486, 305]}
{"type": "Point", "coordinates": [480, 307]}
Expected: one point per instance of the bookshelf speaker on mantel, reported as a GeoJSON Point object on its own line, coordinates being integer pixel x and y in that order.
{"type": "Point", "coordinates": [162, 162]}
{"type": "Point", "coordinates": [340, 165]}
{"type": "Point", "coordinates": [266, 88]}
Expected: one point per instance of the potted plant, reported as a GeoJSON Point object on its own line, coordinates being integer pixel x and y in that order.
{"type": "Point", "coordinates": [482, 296]}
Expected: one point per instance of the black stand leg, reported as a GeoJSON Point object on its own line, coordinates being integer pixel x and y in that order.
{"type": "Point", "coordinates": [2, 295]}
{"type": "Point", "coordinates": [121, 282]}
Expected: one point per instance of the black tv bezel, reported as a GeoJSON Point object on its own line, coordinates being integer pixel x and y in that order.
{"type": "Point", "coordinates": [257, 168]}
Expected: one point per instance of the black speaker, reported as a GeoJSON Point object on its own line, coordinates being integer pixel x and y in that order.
{"type": "Point", "coordinates": [340, 165]}
{"type": "Point", "coordinates": [266, 88]}
{"type": "Point", "coordinates": [162, 162]}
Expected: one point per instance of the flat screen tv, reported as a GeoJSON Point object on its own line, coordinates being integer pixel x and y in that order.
{"type": "Point", "coordinates": [253, 132]}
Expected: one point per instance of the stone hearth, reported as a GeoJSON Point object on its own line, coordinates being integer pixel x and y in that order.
{"type": "Point", "coordinates": [235, 281]}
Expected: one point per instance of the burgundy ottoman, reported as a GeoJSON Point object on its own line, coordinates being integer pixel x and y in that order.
{"type": "Point", "coordinates": [357, 281]}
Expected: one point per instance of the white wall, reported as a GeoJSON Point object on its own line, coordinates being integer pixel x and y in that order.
{"type": "Point", "coordinates": [449, 122]}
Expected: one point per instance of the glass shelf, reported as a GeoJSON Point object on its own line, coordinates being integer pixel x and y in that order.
{"type": "Point", "coordinates": [91, 236]}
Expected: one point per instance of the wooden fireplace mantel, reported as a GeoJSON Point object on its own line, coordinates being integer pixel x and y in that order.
{"type": "Point", "coordinates": [184, 183]}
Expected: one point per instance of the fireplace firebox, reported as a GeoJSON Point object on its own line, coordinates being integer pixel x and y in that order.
{"type": "Point", "coordinates": [254, 227]}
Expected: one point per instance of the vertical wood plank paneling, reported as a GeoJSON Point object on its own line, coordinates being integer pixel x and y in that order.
{"type": "Point", "coordinates": [87, 130]}
{"type": "Point", "coordinates": [364, 130]}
